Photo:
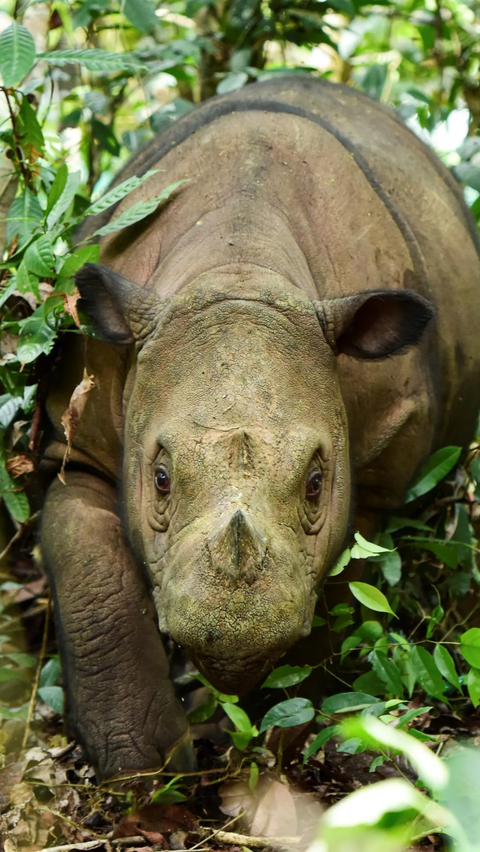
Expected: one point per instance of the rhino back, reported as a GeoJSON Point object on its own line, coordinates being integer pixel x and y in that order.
{"type": "Point", "coordinates": [330, 189]}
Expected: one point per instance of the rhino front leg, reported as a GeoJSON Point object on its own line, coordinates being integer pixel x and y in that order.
{"type": "Point", "coordinates": [121, 704]}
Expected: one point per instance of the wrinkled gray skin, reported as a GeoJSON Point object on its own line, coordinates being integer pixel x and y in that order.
{"type": "Point", "coordinates": [296, 327]}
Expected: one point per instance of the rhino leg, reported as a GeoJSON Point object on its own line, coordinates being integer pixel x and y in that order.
{"type": "Point", "coordinates": [120, 701]}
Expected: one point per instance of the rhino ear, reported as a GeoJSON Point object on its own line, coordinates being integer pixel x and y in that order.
{"type": "Point", "coordinates": [374, 324]}
{"type": "Point", "coordinates": [121, 311]}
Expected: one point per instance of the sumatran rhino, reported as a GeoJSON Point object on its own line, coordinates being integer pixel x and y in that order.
{"type": "Point", "coordinates": [287, 338]}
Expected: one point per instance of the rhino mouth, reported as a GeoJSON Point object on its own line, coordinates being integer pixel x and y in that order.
{"type": "Point", "coordinates": [232, 676]}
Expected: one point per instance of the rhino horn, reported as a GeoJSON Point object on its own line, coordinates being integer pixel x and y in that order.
{"type": "Point", "coordinates": [121, 311]}
{"type": "Point", "coordinates": [374, 324]}
{"type": "Point", "coordinates": [238, 548]}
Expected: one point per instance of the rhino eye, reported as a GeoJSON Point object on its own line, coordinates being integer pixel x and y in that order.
{"type": "Point", "coordinates": [162, 480]}
{"type": "Point", "coordinates": [314, 485]}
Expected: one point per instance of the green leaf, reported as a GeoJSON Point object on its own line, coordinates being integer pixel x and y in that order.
{"type": "Point", "coordinates": [29, 129]}
{"type": "Point", "coordinates": [364, 549]}
{"type": "Point", "coordinates": [7, 675]}
{"type": "Point", "coordinates": [473, 686]}
{"type": "Point", "coordinates": [138, 211]}
{"type": "Point", "coordinates": [95, 59]}
{"type": "Point", "coordinates": [369, 682]}
{"type": "Point", "coordinates": [204, 711]}
{"type": "Point", "coordinates": [375, 733]}
{"type": "Point", "coordinates": [141, 13]}
{"type": "Point", "coordinates": [9, 405]}
{"type": "Point", "coordinates": [287, 714]}
{"type": "Point", "coordinates": [50, 672]}
{"type": "Point", "coordinates": [410, 715]}
{"type": "Point", "coordinates": [318, 621]}
{"type": "Point", "coordinates": [57, 187]}
{"type": "Point", "coordinates": [232, 82]}
{"type": "Point", "coordinates": [23, 217]}
{"type": "Point", "coordinates": [118, 192]}
{"type": "Point", "coordinates": [347, 702]}
{"type": "Point", "coordinates": [53, 696]}
{"type": "Point", "coordinates": [24, 660]}
{"type": "Point", "coordinates": [37, 337]}
{"type": "Point", "coordinates": [395, 524]}
{"type": "Point", "coordinates": [87, 254]}
{"type": "Point", "coordinates": [426, 672]}
{"type": "Point", "coordinates": [15, 500]}
{"type": "Point", "coordinates": [61, 206]}
{"type": "Point", "coordinates": [445, 551]}
{"type": "Point", "coordinates": [341, 563]}
{"type": "Point", "coordinates": [39, 257]}
{"type": "Point", "coordinates": [287, 676]}
{"type": "Point", "coordinates": [370, 597]}
{"type": "Point", "coordinates": [388, 672]}
{"type": "Point", "coordinates": [468, 174]}
{"type": "Point", "coordinates": [436, 469]}
{"type": "Point", "coordinates": [320, 740]}
{"type": "Point", "coordinates": [470, 646]}
{"type": "Point", "coordinates": [17, 54]}
{"type": "Point", "coordinates": [246, 731]}
{"type": "Point", "coordinates": [344, 6]}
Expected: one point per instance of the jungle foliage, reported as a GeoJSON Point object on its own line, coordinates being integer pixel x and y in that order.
{"type": "Point", "coordinates": [83, 85]}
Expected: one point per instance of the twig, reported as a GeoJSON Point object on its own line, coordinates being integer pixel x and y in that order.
{"type": "Point", "coordinates": [69, 847]}
{"type": "Point", "coordinates": [33, 699]}
{"type": "Point", "coordinates": [11, 542]}
{"type": "Point", "coordinates": [255, 842]}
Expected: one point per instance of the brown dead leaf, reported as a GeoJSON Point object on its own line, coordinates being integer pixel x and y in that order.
{"type": "Point", "coordinates": [70, 305]}
{"type": "Point", "coordinates": [18, 465]}
{"type": "Point", "coordinates": [153, 821]}
{"type": "Point", "coordinates": [276, 815]}
{"type": "Point", "coordinates": [71, 417]}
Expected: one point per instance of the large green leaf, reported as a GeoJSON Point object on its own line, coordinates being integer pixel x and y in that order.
{"type": "Point", "coordinates": [138, 211]}
{"type": "Point", "coordinates": [473, 686]}
{"type": "Point", "coordinates": [24, 216]}
{"type": "Point", "coordinates": [86, 254]}
{"type": "Point", "coordinates": [53, 696]}
{"type": "Point", "coordinates": [141, 13]}
{"type": "Point", "coordinates": [67, 195]}
{"type": "Point", "coordinates": [446, 665]}
{"type": "Point", "coordinates": [39, 257]}
{"type": "Point", "coordinates": [17, 54]}
{"type": "Point", "coordinates": [347, 702]}
{"type": "Point", "coordinates": [470, 646]}
{"type": "Point", "coordinates": [426, 671]}
{"type": "Point", "coordinates": [286, 676]}
{"type": "Point", "coordinates": [118, 192]}
{"type": "Point", "coordinates": [9, 405]}
{"type": "Point", "coordinates": [370, 597]}
{"type": "Point", "coordinates": [36, 338]}
{"type": "Point", "coordinates": [388, 672]}
{"type": "Point", "coordinates": [30, 130]}
{"type": "Point", "coordinates": [50, 672]}
{"type": "Point", "coordinates": [95, 59]}
{"type": "Point", "coordinates": [15, 500]}
{"type": "Point", "coordinates": [435, 469]}
{"type": "Point", "coordinates": [57, 187]}
{"type": "Point", "coordinates": [246, 731]}
{"type": "Point", "coordinates": [321, 739]}
{"type": "Point", "coordinates": [294, 711]}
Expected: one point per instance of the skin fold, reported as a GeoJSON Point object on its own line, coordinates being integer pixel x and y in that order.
{"type": "Point", "coordinates": [280, 351]}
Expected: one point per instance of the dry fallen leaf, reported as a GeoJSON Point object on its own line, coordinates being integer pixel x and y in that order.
{"type": "Point", "coordinates": [71, 417]}
{"type": "Point", "coordinates": [70, 305]}
{"type": "Point", "coordinates": [276, 815]}
{"type": "Point", "coordinates": [18, 465]}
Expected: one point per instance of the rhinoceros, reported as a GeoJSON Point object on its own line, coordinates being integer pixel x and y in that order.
{"type": "Point", "coordinates": [282, 345]}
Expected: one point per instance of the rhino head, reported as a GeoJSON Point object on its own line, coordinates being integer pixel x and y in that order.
{"type": "Point", "coordinates": [236, 482]}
